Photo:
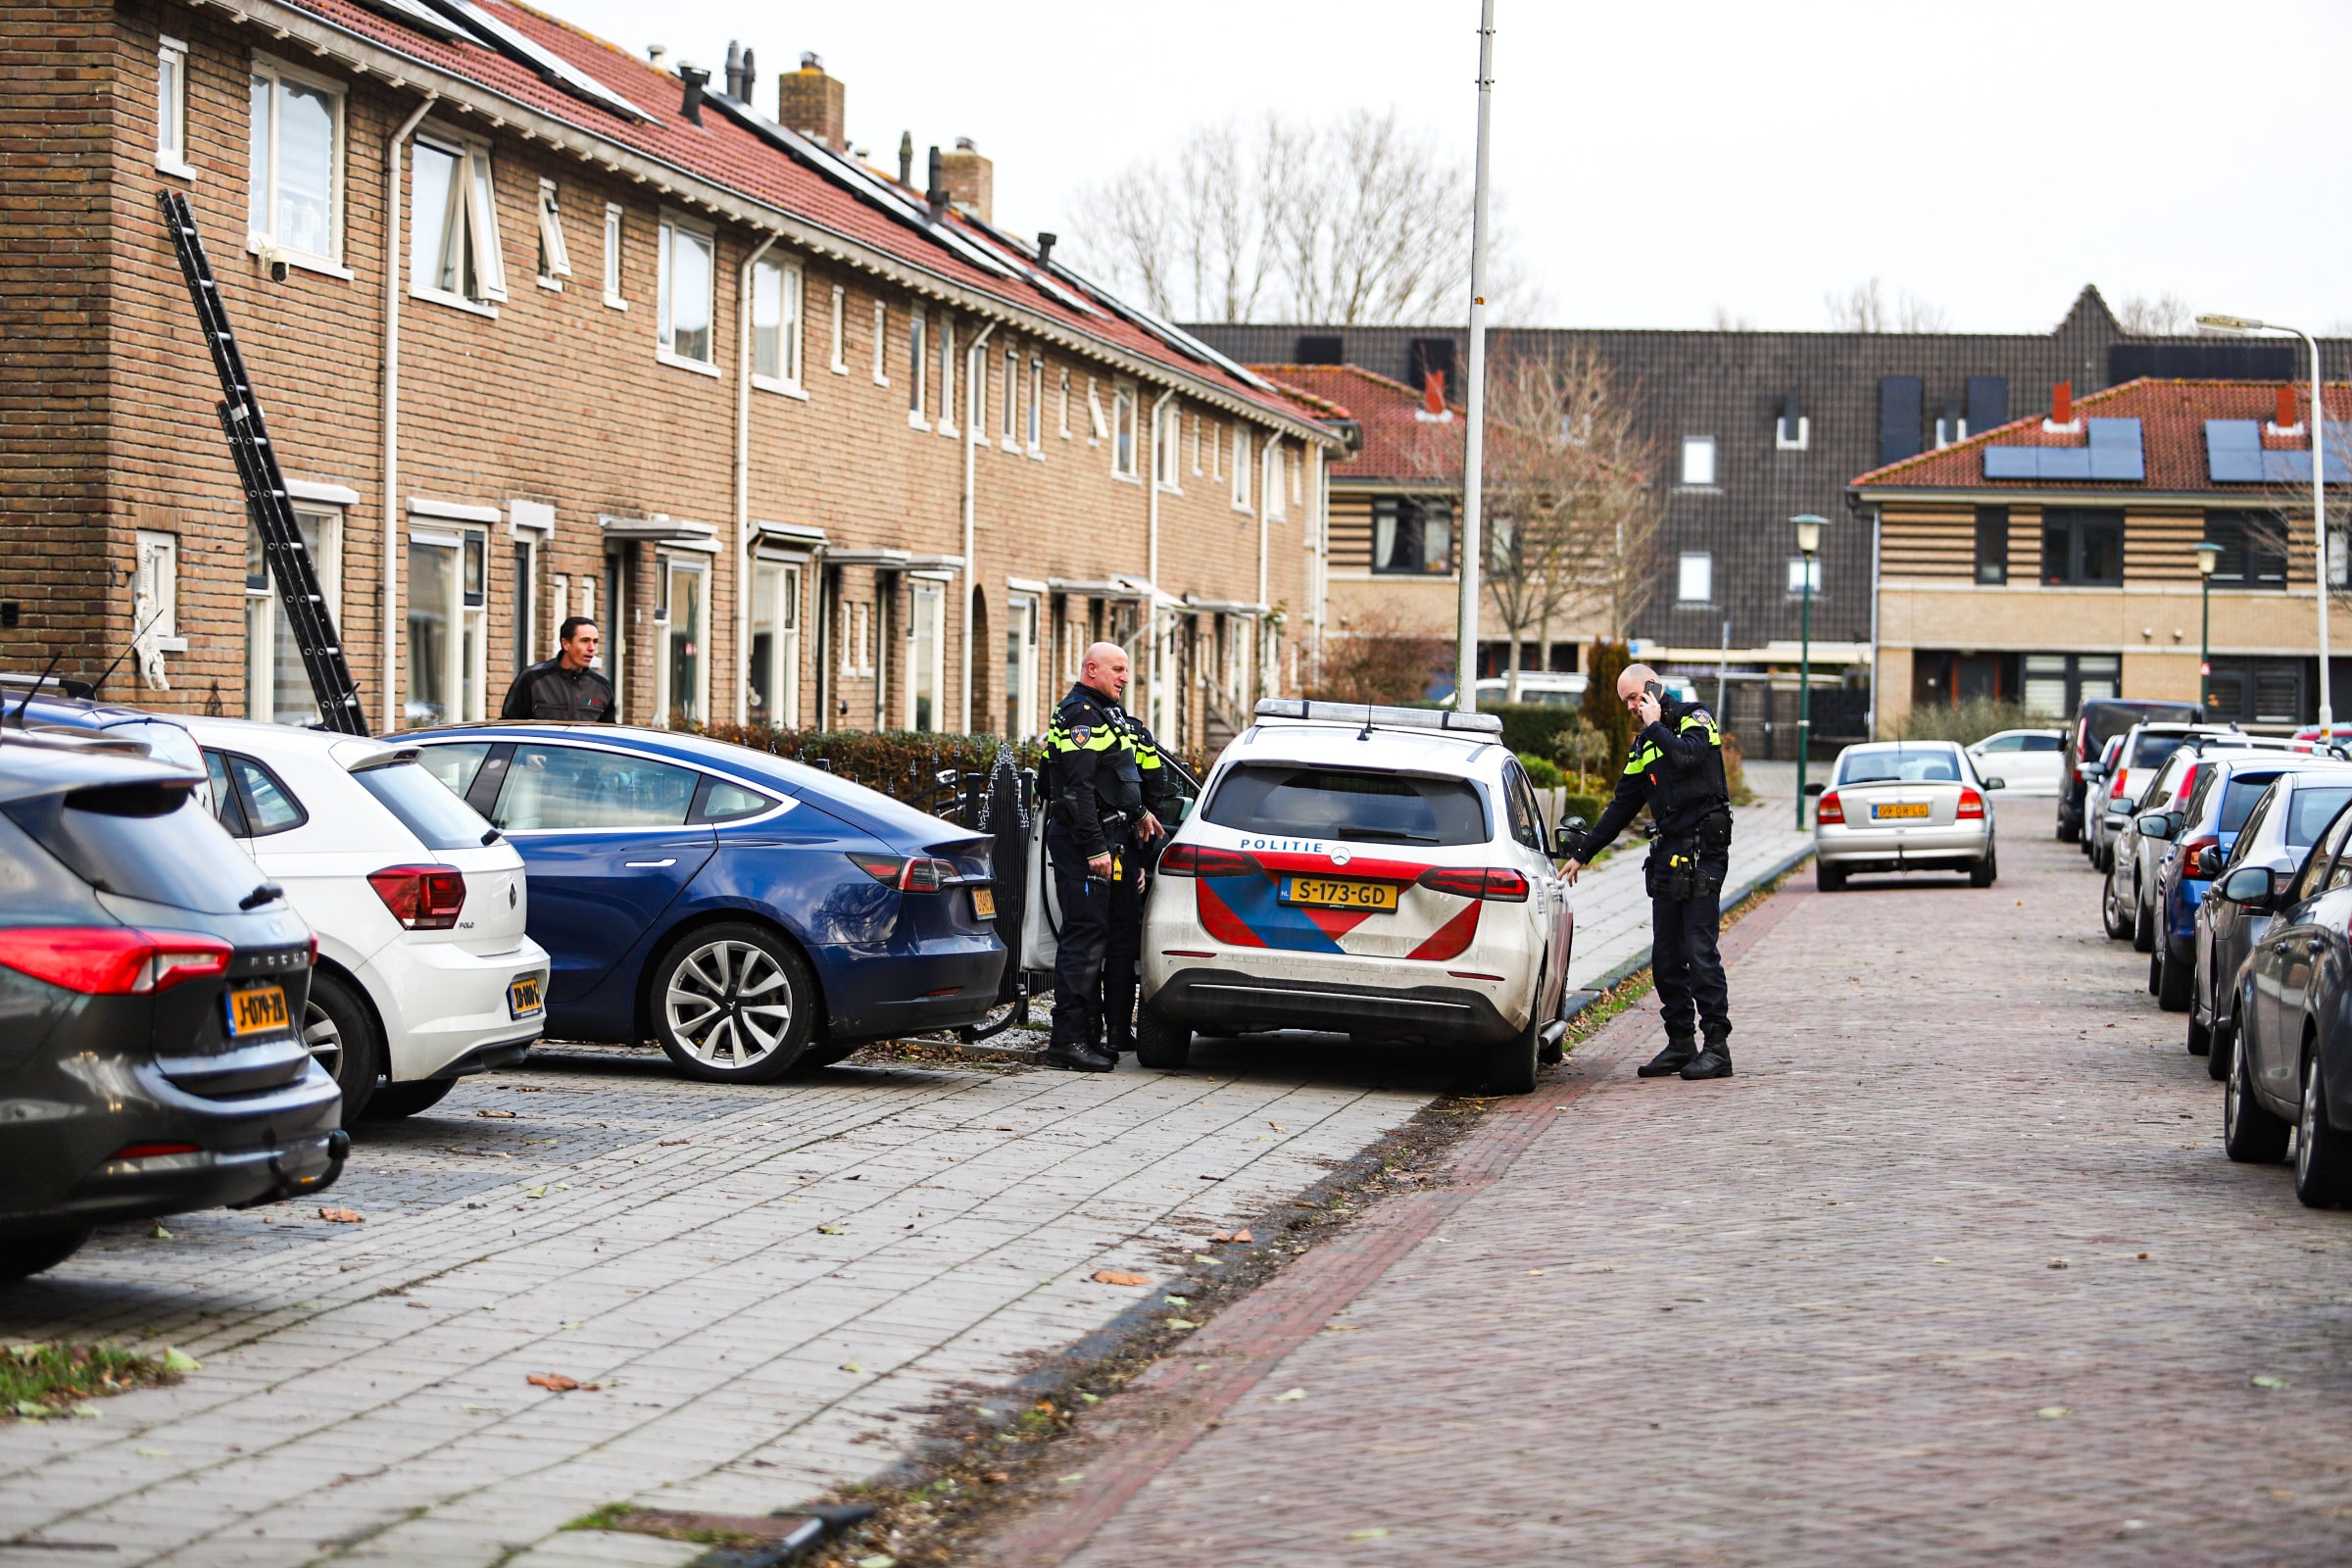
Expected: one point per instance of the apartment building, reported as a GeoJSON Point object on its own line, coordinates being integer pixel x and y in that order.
{"type": "Point", "coordinates": [544, 328]}
{"type": "Point", "coordinates": [2055, 558]}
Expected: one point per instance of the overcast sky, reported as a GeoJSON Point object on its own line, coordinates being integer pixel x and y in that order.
{"type": "Point", "coordinates": [1657, 162]}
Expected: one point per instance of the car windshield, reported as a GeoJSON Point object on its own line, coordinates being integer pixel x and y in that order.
{"type": "Point", "coordinates": [2309, 813]}
{"type": "Point", "coordinates": [2150, 751]}
{"type": "Point", "coordinates": [1291, 800]}
{"type": "Point", "coordinates": [1900, 765]}
{"type": "Point", "coordinates": [424, 805]}
{"type": "Point", "coordinates": [155, 842]}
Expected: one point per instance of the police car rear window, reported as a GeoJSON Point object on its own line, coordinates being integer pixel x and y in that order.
{"type": "Point", "coordinates": [1360, 806]}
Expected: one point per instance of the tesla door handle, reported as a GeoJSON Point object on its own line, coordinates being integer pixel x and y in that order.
{"type": "Point", "coordinates": [649, 865]}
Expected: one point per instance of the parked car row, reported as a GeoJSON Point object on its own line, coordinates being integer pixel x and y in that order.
{"type": "Point", "coordinates": [2225, 861]}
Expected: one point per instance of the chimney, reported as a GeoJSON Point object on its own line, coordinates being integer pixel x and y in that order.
{"type": "Point", "coordinates": [655, 53]}
{"type": "Point", "coordinates": [2062, 403]}
{"type": "Point", "coordinates": [970, 180]}
{"type": "Point", "coordinates": [907, 159]}
{"type": "Point", "coordinates": [696, 78]}
{"type": "Point", "coordinates": [742, 73]}
{"type": "Point", "coordinates": [1046, 240]}
{"type": "Point", "coordinates": [935, 192]}
{"type": "Point", "coordinates": [1433, 393]}
{"type": "Point", "coordinates": [2286, 419]}
{"type": "Point", "coordinates": [813, 104]}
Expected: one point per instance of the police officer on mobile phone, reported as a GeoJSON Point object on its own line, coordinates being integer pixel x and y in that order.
{"type": "Point", "coordinates": [1103, 788]}
{"type": "Point", "coordinates": [1675, 768]}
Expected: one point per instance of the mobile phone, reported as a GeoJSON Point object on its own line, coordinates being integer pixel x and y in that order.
{"type": "Point", "coordinates": [1657, 692]}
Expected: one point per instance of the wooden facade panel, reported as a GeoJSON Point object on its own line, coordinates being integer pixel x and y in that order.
{"type": "Point", "coordinates": [1350, 518]}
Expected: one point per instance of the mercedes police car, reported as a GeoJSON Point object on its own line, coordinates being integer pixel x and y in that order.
{"type": "Point", "coordinates": [1383, 871]}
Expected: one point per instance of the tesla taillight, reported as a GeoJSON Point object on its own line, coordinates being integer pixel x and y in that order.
{"type": "Point", "coordinates": [1191, 859]}
{"type": "Point", "coordinates": [421, 897]}
{"type": "Point", "coordinates": [1497, 882]}
{"type": "Point", "coordinates": [112, 960]}
{"type": "Point", "coordinates": [1829, 809]}
{"type": "Point", "coordinates": [919, 874]}
{"type": "Point", "coordinates": [1971, 806]}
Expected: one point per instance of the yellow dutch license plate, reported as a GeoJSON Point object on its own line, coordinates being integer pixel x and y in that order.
{"type": "Point", "coordinates": [1893, 809]}
{"type": "Point", "coordinates": [522, 996]}
{"type": "Point", "coordinates": [984, 902]}
{"type": "Point", "coordinates": [257, 1010]}
{"type": "Point", "coordinates": [1327, 893]}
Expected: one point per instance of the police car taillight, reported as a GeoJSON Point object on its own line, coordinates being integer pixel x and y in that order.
{"type": "Point", "coordinates": [1191, 859]}
{"type": "Point", "coordinates": [919, 874]}
{"type": "Point", "coordinates": [1497, 882]}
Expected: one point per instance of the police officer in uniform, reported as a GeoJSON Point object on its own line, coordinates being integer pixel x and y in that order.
{"type": "Point", "coordinates": [1104, 780]}
{"type": "Point", "coordinates": [1676, 769]}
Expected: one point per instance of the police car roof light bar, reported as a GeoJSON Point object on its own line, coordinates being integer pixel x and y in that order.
{"type": "Point", "coordinates": [1374, 715]}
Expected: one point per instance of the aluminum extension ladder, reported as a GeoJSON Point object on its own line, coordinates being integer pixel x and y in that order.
{"type": "Point", "coordinates": [265, 497]}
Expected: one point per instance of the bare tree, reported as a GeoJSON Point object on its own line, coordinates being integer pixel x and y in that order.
{"type": "Point", "coordinates": [1864, 308]}
{"type": "Point", "coordinates": [1728, 319]}
{"type": "Point", "coordinates": [1375, 658]}
{"type": "Point", "coordinates": [1361, 222]}
{"type": "Point", "coordinates": [2166, 316]}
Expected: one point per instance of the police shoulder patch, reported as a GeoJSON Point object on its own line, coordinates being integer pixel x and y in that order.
{"type": "Point", "coordinates": [1079, 732]}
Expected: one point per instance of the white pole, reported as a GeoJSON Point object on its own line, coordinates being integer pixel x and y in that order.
{"type": "Point", "coordinates": [745, 572]}
{"type": "Point", "coordinates": [975, 413]}
{"type": "Point", "coordinates": [2319, 520]}
{"type": "Point", "coordinates": [387, 585]}
{"type": "Point", "coordinates": [1474, 459]}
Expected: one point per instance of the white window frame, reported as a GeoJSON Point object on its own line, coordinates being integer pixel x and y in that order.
{"type": "Point", "coordinates": [975, 393]}
{"type": "Point", "coordinates": [668, 568]}
{"type": "Point", "coordinates": [463, 695]}
{"type": "Point", "coordinates": [1698, 454]}
{"type": "Point", "coordinates": [776, 589]}
{"type": "Point", "coordinates": [1125, 464]}
{"type": "Point", "coordinates": [791, 295]}
{"type": "Point", "coordinates": [1274, 460]}
{"type": "Point", "coordinates": [674, 225]}
{"type": "Point", "coordinates": [858, 638]}
{"type": "Point", "coordinates": [1240, 466]}
{"type": "Point", "coordinates": [615, 232]}
{"type": "Point", "coordinates": [947, 374]}
{"type": "Point", "coordinates": [1216, 451]}
{"type": "Point", "coordinates": [261, 605]}
{"type": "Point", "coordinates": [172, 108]}
{"type": "Point", "coordinates": [1010, 430]}
{"type": "Point", "coordinates": [474, 209]}
{"type": "Point", "coordinates": [926, 624]}
{"type": "Point", "coordinates": [1065, 405]}
{"type": "Point", "coordinates": [881, 344]}
{"type": "Point", "coordinates": [554, 255]}
{"type": "Point", "coordinates": [155, 591]}
{"type": "Point", "coordinates": [1197, 423]}
{"type": "Point", "coordinates": [1024, 614]}
{"type": "Point", "coordinates": [1167, 449]}
{"type": "Point", "coordinates": [1699, 563]}
{"type": "Point", "coordinates": [267, 241]}
{"type": "Point", "coordinates": [918, 368]}
{"type": "Point", "coordinates": [1098, 428]}
{"type": "Point", "coordinates": [841, 307]}
{"type": "Point", "coordinates": [1036, 406]}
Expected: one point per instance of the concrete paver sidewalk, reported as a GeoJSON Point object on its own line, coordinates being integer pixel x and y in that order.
{"type": "Point", "coordinates": [1954, 1271]}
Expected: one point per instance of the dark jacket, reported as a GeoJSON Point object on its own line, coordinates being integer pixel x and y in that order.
{"type": "Point", "coordinates": [1675, 767]}
{"type": "Point", "coordinates": [1103, 771]}
{"type": "Point", "coordinates": [550, 691]}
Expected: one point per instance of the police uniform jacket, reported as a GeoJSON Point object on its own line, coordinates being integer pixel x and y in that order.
{"type": "Point", "coordinates": [1103, 771]}
{"type": "Point", "coordinates": [549, 691]}
{"type": "Point", "coordinates": [1675, 767]}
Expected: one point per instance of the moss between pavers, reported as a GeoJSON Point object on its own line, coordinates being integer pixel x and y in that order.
{"type": "Point", "coordinates": [53, 1379]}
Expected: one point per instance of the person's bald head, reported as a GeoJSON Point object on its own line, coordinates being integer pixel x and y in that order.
{"type": "Point", "coordinates": [1104, 668]}
{"type": "Point", "coordinates": [1631, 683]}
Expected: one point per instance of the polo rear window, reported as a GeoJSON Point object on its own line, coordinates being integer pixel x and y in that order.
{"type": "Point", "coordinates": [1361, 806]}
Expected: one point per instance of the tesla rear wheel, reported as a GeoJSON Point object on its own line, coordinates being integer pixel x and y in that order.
{"type": "Point", "coordinates": [1160, 1042]}
{"type": "Point", "coordinates": [341, 1034]}
{"type": "Point", "coordinates": [23, 1255]}
{"type": "Point", "coordinates": [2250, 1134]}
{"type": "Point", "coordinates": [733, 1004]}
{"type": "Point", "coordinates": [2322, 1151]}
{"type": "Point", "coordinates": [391, 1101]}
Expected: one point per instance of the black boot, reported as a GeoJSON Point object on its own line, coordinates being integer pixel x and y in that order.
{"type": "Point", "coordinates": [1083, 1056]}
{"type": "Point", "coordinates": [1680, 1052]}
{"type": "Point", "coordinates": [1714, 1062]}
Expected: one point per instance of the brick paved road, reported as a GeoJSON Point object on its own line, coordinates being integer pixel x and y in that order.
{"type": "Point", "coordinates": [1811, 1315]}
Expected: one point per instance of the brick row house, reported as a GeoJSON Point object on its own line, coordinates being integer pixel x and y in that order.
{"type": "Point", "coordinates": [2054, 558]}
{"type": "Point", "coordinates": [543, 328]}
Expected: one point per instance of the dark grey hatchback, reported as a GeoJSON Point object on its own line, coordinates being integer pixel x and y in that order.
{"type": "Point", "coordinates": [149, 983]}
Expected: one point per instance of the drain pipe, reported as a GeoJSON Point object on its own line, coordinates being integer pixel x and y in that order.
{"type": "Point", "coordinates": [1266, 481]}
{"type": "Point", "coordinates": [975, 393]}
{"type": "Point", "coordinates": [1164, 718]}
{"type": "Point", "coordinates": [743, 487]}
{"type": "Point", "coordinates": [388, 583]}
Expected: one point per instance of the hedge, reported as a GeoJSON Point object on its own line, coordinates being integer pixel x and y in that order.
{"type": "Point", "coordinates": [904, 765]}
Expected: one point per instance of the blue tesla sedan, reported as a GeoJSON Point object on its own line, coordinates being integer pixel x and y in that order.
{"type": "Point", "coordinates": [748, 913]}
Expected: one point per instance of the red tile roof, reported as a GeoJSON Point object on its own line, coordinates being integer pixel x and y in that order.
{"type": "Point", "coordinates": [1400, 443]}
{"type": "Point", "coordinates": [2171, 417]}
{"type": "Point", "coordinates": [721, 152]}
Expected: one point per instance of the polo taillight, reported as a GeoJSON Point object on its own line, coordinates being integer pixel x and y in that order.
{"type": "Point", "coordinates": [1831, 809]}
{"type": "Point", "coordinates": [1971, 806]}
{"type": "Point", "coordinates": [1191, 860]}
{"type": "Point", "coordinates": [908, 874]}
{"type": "Point", "coordinates": [112, 960]}
{"type": "Point", "coordinates": [1499, 883]}
{"type": "Point", "coordinates": [421, 897]}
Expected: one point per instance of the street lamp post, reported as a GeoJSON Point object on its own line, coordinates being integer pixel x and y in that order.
{"type": "Point", "coordinates": [2209, 556]}
{"type": "Point", "coordinates": [1474, 444]}
{"type": "Point", "coordinates": [2243, 326]}
{"type": "Point", "coordinates": [1808, 546]}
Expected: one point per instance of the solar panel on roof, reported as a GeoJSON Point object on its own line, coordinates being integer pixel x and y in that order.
{"type": "Point", "coordinates": [2115, 450]}
{"type": "Point", "coordinates": [417, 13]}
{"type": "Point", "coordinates": [558, 71]}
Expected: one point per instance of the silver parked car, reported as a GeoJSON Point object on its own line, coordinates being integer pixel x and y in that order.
{"type": "Point", "coordinates": [2276, 834]}
{"type": "Point", "coordinates": [1904, 805]}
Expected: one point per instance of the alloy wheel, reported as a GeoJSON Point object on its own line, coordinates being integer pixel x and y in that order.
{"type": "Point", "coordinates": [323, 1040]}
{"type": "Point", "coordinates": [729, 1004]}
{"type": "Point", "coordinates": [2307, 1121]}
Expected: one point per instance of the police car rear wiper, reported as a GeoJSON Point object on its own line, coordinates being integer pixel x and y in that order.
{"type": "Point", "coordinates": [1397, 834]}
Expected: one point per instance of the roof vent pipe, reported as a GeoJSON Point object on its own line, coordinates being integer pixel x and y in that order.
{"type": "Point", "coordinates": [742, 72]}
{"type": "Point", "coordinates": [907, 159]}
{"type": "Point", "coordinates": [655, 53]}
{"type": "Point", "coordinates": [937, 193]}
{"type": "Point", "coordinates": [1044, 247]}
{"type": "Point", "coordinates": [696, 78]}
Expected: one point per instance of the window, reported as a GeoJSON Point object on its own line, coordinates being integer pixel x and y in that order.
{"type": "Point", "coordinates": [2057, 684]}
{"type": "Point", "coordinates": [881, 343]}
{"type": "Point", "coordinates": [1065, 405]}
{"type": "Point", "coordinates": [612, 275]}
{"type": "Point", "coordinates": [1217, 453]}
{"type": "Point", "coordinates": [775, 644]}
{"type": "Point", "coordinates": [841, 305]}
{"type": "Point", "coordinates": [1698, 459]}
{"type": "Point", "coordinates": [296, 171]}
{"type": "Point", "coordinates": [1020, 667]}
{"type": "Point", "coordinates": [1167, 448]}
{"type": "Point", "coordinates": [571, 787]}
{"type": "Point", "coordinates": [1993, 545]}
{"type": "Point", "coordinates": [1694, 581]}
{"type": "Point", "coordinates": [155, 603]}
{"type": "Point", "coordinates": [438, 816]}
{"type": "Point", "coordinates": [683, 296]}
{"type": "Point", "coordinates": [947, 374]}
{"type": "Point", "coordinates": [1011, 428]}
{"type": "Point", "coordinates": [1036, 408]}
{"type": "Point", "coordinates": [916, 365]}
{"type": "Point", "coordinates": [555, 258]}
{"type": "Point", "coordinates": [1241, 468]}
{"type": "Point", "coordinates": [926, 650]}
{"type": "Point", "coordinates": [448, 589]}
{"type": "Point", "coordinates": [1412, 537]}
{"type": "Point", "coordinates": [1122, 431]}
{"type": "Point", "coordinates": [1289, 799]}
{"type": "Point", "coordinates": [777, 326]}
{"type": "Point", "coordinates": [2081, 548]}
{"type": "Point", "coordinates": [725, 802]}
{"type": "Point", "coordinates": [681, 681]}
{"type": "Point", "coordinates": [453, 225]}
{"type": "Point", "coordinates": [277, 686]}
{"type": "Point", "coordinates": [1277, 459]}
{"type": "Point", "coordinates": [975, 393]}
{"type": "Point", "coordinates": [172, 108]}
{"type": "Point", "coordinates": [1804, 573]}
{"type": "Point", "coordinates": [1097, 428]}
{"type": "Point", "coordinates": [856, 639]}
{"type": "Point", "coordinates": [1198, 422]}
{"type": "Point", "coordinates": [2253, 549]}
{"type": "Point", "coordinates": [253, 803]}
{"type": "Point", "coordinates": [1520, 809]}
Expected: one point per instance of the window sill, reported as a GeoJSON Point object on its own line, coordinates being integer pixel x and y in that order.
{"type": "Point", "coordinates": [676, 363]}
{"type": "Point", "coordinates": [979, 440]}
{"type": "Point", "coordinates": [787, 390]}
{"type": "Point", "coordinates": [554, 285]}
{"type": "Point", "coordinates": [255, 245]}
{"type": "Point", "coordinates": [1037, 454]}
{"type": "Point", "coordinates": [915, 421]}
{"type": "Point", "coordinates": [838, 370]}
{"type": "Point", "coordinates": [174, 167]}
{"type": "Point", "coordinates": [1126, 478]}
{"type": "Point", "coordinates": [1243, 508]}
{"type": "Point", "coordinates": [456, 302]}
{"type": "Point", "coordinates": [615, 302]}
{"type": "Point", "coordinates": [1169, 489]}
{"type": "Point", "coordinates": [947, 429]}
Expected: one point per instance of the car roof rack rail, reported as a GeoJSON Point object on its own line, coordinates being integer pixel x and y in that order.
{"type": "Point", "coordinates": [1376, 716]}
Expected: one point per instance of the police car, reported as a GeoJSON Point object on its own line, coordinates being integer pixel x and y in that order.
{"type": "Point", "coordinates": [1384, 871]}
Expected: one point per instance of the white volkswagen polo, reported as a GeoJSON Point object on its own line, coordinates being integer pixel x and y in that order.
{"type": "Point", "coordinates": [1384, 871]}
{"type": "Point", "coordinates": [424, 971]}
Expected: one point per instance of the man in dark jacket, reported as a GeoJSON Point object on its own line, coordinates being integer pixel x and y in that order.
{"type": "Point", "coordinates": [564, 687]}
{"type": "Point", "coordinates": [1675, 768]}
{"type": "Point", "coordinates": [1103, 786]}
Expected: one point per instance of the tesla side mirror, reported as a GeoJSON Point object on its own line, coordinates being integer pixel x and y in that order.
{"type": "Point", "coordinates": [2253, 886]}
{"type": "Point", "coordinates": [1997, 783]}
{"type": "Point", "coordinates": [2156, 825]}
{"type": "Point", "coordinates": [1814, 786]}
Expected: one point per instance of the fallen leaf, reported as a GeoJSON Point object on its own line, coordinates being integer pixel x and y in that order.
{"type": "Point", "coordinates": [1535, 1273]}
{"type": "Point", "coordinates": [2143, 1257]}
{"type": "Point", "coordinates": [995, 1478]}
{"type": "Point", "coordinates": [340, 1216]}
{"type": "Point", "coordinates": [557, 1382]}
{"type": "Point", "coordinates": [159, 1233]}
{"type": "Point", "coordinates": [1203, 1257]}
{"type": "Point", "coordinates": [1220, 1236]}
{"type": "Point", "coordinates": [1075, 1475]}
{"type": "Point", "coordinates": [851, 1366]}
{"type": "Point", "coordinates": [2265, 1381]}
{"type": "Point", "coordinates": [1177, 1300]}
{"type": "Point", "coordinates": [2058, 1262]}
{"type": "Point", "coordinates": [89, 1412]}
{"type": "Point", "coordinates": [832, 1230]}
{"type": "Point", "coordinates": [1289, 1396]}
{"type": "Point", "coordinates": [1117, 1276]}
{"type": "Point", "coordinates": [534, 1191]}
{"type": "Point", "coordinates": [1243, 1236]}
{"type": "Point", "coordinates": [880, 1559]}
{"type": "Point", "coordinates": [181, 1361]}
{"type": "Point", "coordinates": [497, 1116]}
{"type": "Point", "coordinates": [1278, 1127]}
{"type": "Point", "coordinates": [474, 1409]}
{"type": "Point", "coordinates": [672, 1143]}
{"type": "Point", "coordinates": [153, 1454]}
{"type": "Point", "coordinates": [1090, 1398]}
{"type": "Point", "coordinates": [32, 1411]}
{"type": "Point", "coordinates": [1376, 1532]}
{"type": "Point", "coordinates": [2051, 1413]}
{"type": "Point", "coordinates": [1181, 1323]}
